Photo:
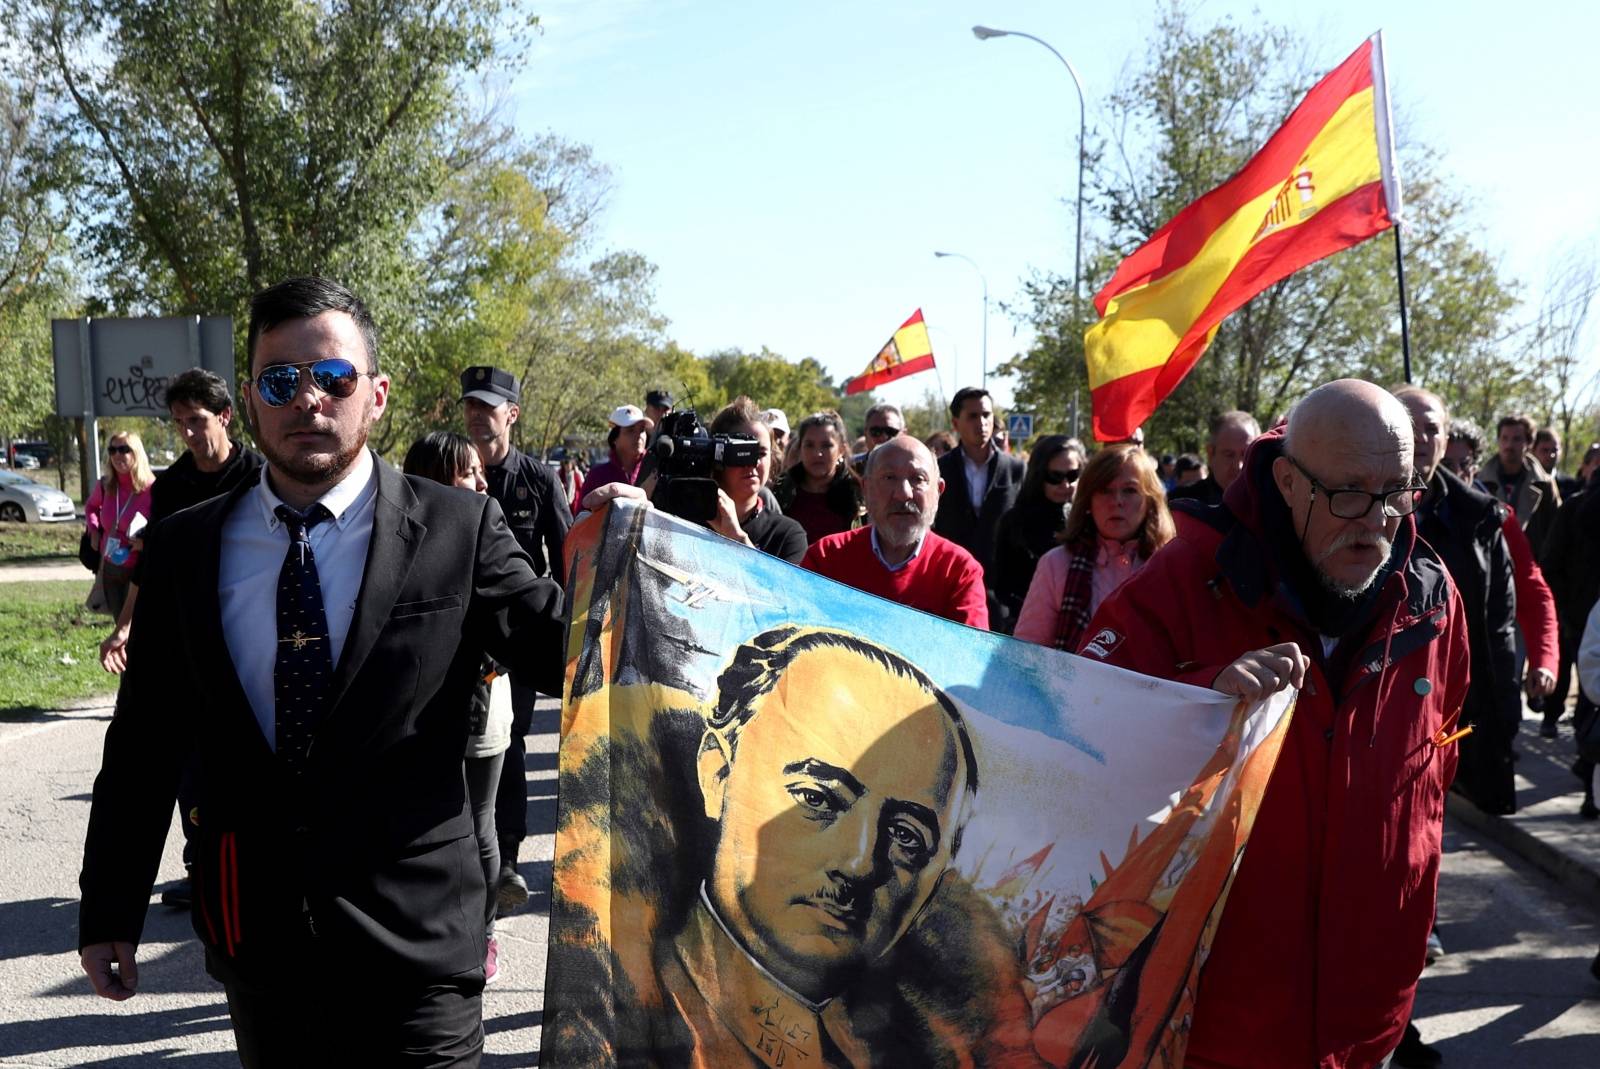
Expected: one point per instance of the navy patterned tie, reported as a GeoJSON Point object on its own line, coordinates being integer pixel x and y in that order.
{"type": "Point", "coordinates": [304, 667]}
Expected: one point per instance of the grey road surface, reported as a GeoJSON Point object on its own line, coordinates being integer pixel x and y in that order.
{"type": "Point", "coordinates": [1513, 991]}
{"type": "Point", "coordinates": [48, 1017]}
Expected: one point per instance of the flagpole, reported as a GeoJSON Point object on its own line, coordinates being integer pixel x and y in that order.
{"type": "Point", "coordinates": [1405, 329]}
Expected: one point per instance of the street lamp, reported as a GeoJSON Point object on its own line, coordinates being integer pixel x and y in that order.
{"type": "Point", "coordinates": [985, 281]}
{"type": "Point", "coordinates": [983, 33]}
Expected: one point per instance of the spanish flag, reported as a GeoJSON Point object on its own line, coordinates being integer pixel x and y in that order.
{"type": "Point", "coordinates": [1324, 182]}
{"type": "Point", "coordinates": [907, 353]}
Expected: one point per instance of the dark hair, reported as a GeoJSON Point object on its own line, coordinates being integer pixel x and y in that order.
{"type": "Point", "coordinates": [758, 664]}
{"type": "Point", "coordinates": [1156, 530]}
{"type": "Point", "coordinates": [440, 456]}
{"type": "Point", "coordinates": [307, 297]}
{"type": "Point", "coordinates": [883, 408]}
{"type": "Point", "coordinates": [1185, 464]}
{"type": "Point", "coordinates": [1546, 434]}
{"type": "Point", "coordinates": [1045, 450]}
{"type": "Point", "coordinates": [201, 388]}
{"type": "Point", "coordinates": [611, 435]}
{"type": "Point", "coordinates": [963, 395]}
{"type": "Point", "coordinates": [1516, 419]}
{"type": "Point", "coordinates": [1464, 430]}
{"type": "Point", "coordinates": [736, 413]}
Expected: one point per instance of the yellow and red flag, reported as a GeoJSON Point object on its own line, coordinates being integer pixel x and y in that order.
{"type": "Point", "coordinates": [1324, 182]}
{"type": "Point", "coordinates": [906, 353]}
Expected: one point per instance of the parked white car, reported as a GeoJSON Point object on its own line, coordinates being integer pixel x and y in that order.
{"type": "Point", "coordinates": [24, 501]}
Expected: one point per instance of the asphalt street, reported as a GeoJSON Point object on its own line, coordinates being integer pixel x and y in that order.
{"type": "Point", "coordinates": [49, 1017]}
{"type": "Point", "coordinates": [1513, 991]}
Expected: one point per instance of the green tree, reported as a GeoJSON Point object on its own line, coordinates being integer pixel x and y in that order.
{"type": "Point", "coordinates": [1194, 109]}
{"type": "Point", "coordinates": [509, 277]}
{"type": "Point", "coordinates": [772, 381]}
{"type": "Point", "coordinates": [229, 145]}
{"type": "Point", "coordinates": [36, 270]}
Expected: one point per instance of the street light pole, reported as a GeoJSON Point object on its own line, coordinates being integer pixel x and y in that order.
{"type": "Point", "coordinates": [983, 33]}
{"type": "Point", "coordinates": [985, 281]}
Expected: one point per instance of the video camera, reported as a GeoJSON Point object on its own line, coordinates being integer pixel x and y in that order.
{"type": "Point", "coordinates": [686, 456]}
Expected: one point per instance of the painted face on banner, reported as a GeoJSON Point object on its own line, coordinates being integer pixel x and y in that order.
{"type": "Point", "coordinates": [837, 818]}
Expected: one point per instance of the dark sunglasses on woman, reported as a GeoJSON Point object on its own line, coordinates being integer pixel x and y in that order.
{"type": "Point", "coordinates": [336, 377]}
{"type": "Point", "coordinates": [1056, 478]}
{"type": "Point", "coordinates": [119, 450]}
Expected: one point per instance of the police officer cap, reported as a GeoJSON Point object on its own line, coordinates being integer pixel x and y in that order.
{"type": "Point", "coordinates": [489, 385]}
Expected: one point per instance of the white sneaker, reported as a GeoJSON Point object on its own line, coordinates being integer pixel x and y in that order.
{"type": "Point", "coordinates": [1435, 948]}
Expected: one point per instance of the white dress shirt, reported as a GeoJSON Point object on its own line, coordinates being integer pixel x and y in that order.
{"type": "Point", "coordinates": [254, 543]}
{"type": "Point", "coordinates": [977, 478]}
{"type": "Point", "coordinates": [877, 551]}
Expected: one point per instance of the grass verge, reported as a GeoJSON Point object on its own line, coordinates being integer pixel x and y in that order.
{"type": "Point", "coordinates": [39, 543]}
{"type": "Point", "coordinates": [49, 646]}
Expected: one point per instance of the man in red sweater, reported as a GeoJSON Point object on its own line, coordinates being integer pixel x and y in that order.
{"type": "Point", "coordinates": [898, 556]}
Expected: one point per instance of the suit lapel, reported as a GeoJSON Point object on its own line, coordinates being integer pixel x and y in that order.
{"type": "Point", "coordinates": [396, 538]}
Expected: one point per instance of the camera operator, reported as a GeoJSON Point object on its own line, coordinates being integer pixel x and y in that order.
{"type": "Point", "coordinates": [742, 514]}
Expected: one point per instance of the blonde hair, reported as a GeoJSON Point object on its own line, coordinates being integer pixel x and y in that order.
{"type": "Point", "coordinates": [1157, 528]}
{"type": "Point", "coordinates": [139, 470]}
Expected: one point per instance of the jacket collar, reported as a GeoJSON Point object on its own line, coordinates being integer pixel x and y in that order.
{"type": "Point", "coordinates": [396, 538]}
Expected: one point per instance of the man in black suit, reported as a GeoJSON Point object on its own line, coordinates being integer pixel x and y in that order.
{"type": "Point", "coordinates": [315, 636]}
{"type": "Point", "coordinates": [980, 484]}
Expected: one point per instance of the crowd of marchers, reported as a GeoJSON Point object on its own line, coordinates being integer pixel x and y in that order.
{"type": "Point", "coordinates": [344, 619]}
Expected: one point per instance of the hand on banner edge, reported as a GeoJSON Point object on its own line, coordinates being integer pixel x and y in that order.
{"type": "Point", "coordinates": [1261, 672]}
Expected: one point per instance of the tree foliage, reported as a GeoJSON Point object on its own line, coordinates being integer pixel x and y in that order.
{"type": "Point", "coordinates": [36, 280]}
{"type": "Point", "coordinates": [229, 145]}
{"type": "Point", "coordinates": [1191, 113]}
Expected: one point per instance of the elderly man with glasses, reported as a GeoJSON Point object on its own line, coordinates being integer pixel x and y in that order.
{"type": "Point", "coordinates": [1311, 575]}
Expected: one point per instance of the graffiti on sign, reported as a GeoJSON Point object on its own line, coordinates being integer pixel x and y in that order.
{"type": "Point", "coordinates": [138, 390]}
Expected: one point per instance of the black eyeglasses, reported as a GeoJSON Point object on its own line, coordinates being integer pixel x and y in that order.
{"type": "Point", "coordinates": [336, 377]}
{"type": "Point", "coordinates": [1354, 504]}
{"type": "Point", "coordinates": [118, 450]}
{"type": "Point", "coordinates": [1457, 466]}
{"type": "Point", "coordinates": [882, 432]}
{"type": "Point", "coordinates": [1056, 478]}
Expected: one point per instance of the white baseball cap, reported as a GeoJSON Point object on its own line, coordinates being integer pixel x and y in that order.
{"type": "Point", "coordinates": [774, 418]}
{"type": "Point", "coordinates": [628, 415]}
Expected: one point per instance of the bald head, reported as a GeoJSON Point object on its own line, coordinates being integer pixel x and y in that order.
{"type": "Point", "coordinates": [1347, 435]}
{"type": "Point", "coordinates": [901, 485]}
{"type": "Point", "coordinates": [905, 447]}
{"type": "Point", "coordinates": [1349, 418]}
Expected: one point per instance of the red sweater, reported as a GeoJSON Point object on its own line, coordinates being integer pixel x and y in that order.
{"type": "Point", "coordinates": [943, 579]}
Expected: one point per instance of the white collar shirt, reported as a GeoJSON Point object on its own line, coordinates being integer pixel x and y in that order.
{"type": "Point", "coordinates": [254, 544]}
{"type": "Point", "coordinates": [977, 478]}
{"type": "Point", "coordinates": [877, 551]}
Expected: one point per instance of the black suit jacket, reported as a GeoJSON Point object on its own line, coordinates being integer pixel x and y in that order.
{"type": "Point", "coordinates": [972, 530]}
{"type": "Point", "coordinates": [368, 856]}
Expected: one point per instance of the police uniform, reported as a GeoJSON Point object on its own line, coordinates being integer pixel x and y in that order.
{"type": "Point", "coordinates": [536, 510]}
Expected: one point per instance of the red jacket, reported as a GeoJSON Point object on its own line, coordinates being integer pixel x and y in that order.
{"type": "Point", "coordinates": [1536, 606]}
{"type": "Point", "coordinates": [1316, 958]}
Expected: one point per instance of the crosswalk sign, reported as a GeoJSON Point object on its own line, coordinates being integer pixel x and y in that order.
{"type": "Point", "coordinates": [1019, 426]}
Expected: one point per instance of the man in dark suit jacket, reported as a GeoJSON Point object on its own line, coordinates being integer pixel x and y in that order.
{"type": "Point", "coordinates": [315, 636]}
{"type": "Point", "coordinates": [980, 485]}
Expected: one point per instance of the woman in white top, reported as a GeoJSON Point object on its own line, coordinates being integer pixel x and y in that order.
{"type": "Point", "coordinates": [1119, 518]}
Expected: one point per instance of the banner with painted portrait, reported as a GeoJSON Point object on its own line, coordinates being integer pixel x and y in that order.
{"type": "Point", "coordinates": [802, 826]}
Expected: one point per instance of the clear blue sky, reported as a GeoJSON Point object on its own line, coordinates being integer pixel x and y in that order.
{"type": "Point", "coordinates": [791, 168]}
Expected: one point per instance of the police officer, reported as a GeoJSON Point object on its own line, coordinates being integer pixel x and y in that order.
{"type": "Point", "coordinates": [536, 509]}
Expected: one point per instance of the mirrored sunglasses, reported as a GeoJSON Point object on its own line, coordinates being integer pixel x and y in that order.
{"type": "Point", "coordinates": [278, 384]}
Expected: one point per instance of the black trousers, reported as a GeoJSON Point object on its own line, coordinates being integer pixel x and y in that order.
{"type": "Point", "coordinates": [345, 1020]}
{"type": "Point", "coordinates": [511, 798]}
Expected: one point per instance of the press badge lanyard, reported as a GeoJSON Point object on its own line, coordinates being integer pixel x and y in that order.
{"type": "Point", "coordinates": [114, 542]}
